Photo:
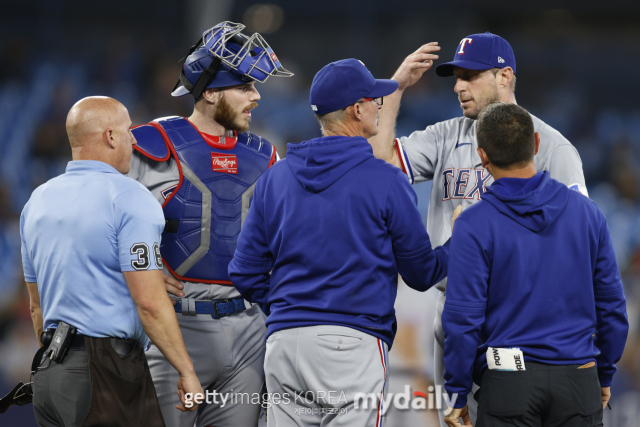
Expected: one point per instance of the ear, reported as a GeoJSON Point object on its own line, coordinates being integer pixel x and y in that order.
{"type": "Point", "coordinates": [110, 138]}
{"type": "Point", "coordinates": [505, 76]}
{"type": "Point", "coordinates": [210, 96]}
{"type": "Point", "coordinates": [537, 137]}
{"type": "Point", "coordinates": [357, 111]}
{"type": "Point", "coordinates": [484, 158]}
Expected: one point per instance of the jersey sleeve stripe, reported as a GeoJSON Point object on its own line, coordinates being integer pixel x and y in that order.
{"type": "Point", "coordinates": [274, 156]}
{"type": "Point", "coordinates": [404, 161]}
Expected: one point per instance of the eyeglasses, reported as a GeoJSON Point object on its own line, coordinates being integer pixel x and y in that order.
{"type": "Point", "coordinates": [378, 101]}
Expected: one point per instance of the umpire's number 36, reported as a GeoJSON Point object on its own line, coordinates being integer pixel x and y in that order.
{"type": "Point", "coordinates": [144, 262]}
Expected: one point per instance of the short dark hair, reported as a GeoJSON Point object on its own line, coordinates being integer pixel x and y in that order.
{"type": "Point", "coordinates": [505, 132]}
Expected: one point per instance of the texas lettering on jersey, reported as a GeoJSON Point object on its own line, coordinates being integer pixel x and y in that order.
{"type": "Point", "coordinates": [464, 183]}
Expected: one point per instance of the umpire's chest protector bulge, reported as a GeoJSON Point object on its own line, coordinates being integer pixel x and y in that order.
{"type": "Point", "coordinates": [205, 211]}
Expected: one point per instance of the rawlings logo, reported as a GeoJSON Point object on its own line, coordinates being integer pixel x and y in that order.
{"type": "Point", "coordinates": [274, 57]}
{"type": "Point", "coordinates": [226, 163]}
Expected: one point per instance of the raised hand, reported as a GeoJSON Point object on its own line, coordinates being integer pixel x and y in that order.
{"type": "Point", "coordinates": [414, 65]}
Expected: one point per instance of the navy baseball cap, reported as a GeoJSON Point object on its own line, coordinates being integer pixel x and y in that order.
{"type": "Point", "coordinates": [480, 52]}
{"type": "Point", "coordinates": [343, 83]}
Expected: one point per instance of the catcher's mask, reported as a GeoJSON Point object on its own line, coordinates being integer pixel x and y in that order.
{"type": "Point", "coordinates": [224, 57]}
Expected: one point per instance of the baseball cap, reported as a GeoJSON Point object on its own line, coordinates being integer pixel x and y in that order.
{"type": "Point", "coordinates": [342, 83]}
{"type": "Point", "coordinates": [480, 52]}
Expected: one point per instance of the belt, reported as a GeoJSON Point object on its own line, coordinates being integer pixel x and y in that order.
{"type": "Point", "coordinates": [122, 346]}
{"type": "Point", "coordinates": [216, 308]}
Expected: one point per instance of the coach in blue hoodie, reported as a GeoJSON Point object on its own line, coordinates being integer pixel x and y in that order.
{"type": "Point", "coordinates": [328, 231]}
{"type": "Point", "coordinates": [535, 309]}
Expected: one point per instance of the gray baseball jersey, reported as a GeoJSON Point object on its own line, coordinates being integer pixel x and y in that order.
{"type": "Point", "coordinates": [446, 153]}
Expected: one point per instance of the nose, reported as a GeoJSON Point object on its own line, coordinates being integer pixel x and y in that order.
{"type": "Point", "coordinates": [255, 95]}
{"type": "Point", "coordinates": [134, 141]}
{"type": "Point", "coordinates": [460, 86]}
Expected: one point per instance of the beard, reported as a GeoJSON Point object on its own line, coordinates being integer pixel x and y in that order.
{"type": "Point", "coordinates": [230, 119]}
{"type": "Point", "coordinates": [482, 103]}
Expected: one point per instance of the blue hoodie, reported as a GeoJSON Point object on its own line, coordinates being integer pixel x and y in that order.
{"type": "Point", "coordinates": [532, 266]}
{"type": "Point", "coordinates": [334, 226]}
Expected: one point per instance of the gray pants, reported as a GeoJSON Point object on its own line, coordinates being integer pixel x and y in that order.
{"type": "Point", "coordinates": [315, 375]}
{"type": "Point", "coordinates": [439, 368]}
{"type": "Point", "coordinates": [62, 392]}
{"type": "Point", "coordinates": [228, 356]}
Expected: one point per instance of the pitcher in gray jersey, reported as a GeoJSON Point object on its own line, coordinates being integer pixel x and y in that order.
{"type": "Point", "coordinates": [446, 152]}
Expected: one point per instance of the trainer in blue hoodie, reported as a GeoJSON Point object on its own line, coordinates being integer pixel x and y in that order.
{"type": "Point", "coordinates": [532, 269]}
{"type": "Point", "coordinates": [328, 230]}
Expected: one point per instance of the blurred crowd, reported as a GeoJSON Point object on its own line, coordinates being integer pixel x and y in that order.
{"type": "Point", "coordinates": [37, 90]}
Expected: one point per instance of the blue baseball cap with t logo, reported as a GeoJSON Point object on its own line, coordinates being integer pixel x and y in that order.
{"type": "Point", "coordinates": [480, 52]}
{"type": "Point", "coordinates": [343, 83]}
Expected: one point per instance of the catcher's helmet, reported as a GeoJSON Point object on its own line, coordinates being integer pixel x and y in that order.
{"type": "Point", "coordinates": [225, 57]}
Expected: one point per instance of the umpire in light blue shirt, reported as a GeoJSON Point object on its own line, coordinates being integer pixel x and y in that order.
{"type": "Point", "coordinates": [90, 252]}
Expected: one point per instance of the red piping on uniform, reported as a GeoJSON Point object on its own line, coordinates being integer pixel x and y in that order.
{"type": "Point", "coordinates": [144, 153]}
{"type": "Point", "coordinates": [382, 359]}
{"type": "Point", "coordinates": [399, 150]}
{"type": "Point", "coordinates": [185, 279]}
{"type": "Point", "coordinates": [273, 156]}
{"type": "Point", "coordinates": [175, 156]}
{"type": "Point", "coordinates": [384, 368]}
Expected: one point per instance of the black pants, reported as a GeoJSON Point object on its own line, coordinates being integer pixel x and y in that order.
{"type": "Point", "coordinates": [62, 392]}
{"type": "Point", "coordinates": [97, 386]}
{"type": "Point", "coordinates": [541, 396]}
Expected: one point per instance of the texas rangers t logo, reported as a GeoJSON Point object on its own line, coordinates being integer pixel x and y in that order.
{"type": "Point", "coordinates": [226, 163]}
{"type": "Point", "coordinates": [463, 42]}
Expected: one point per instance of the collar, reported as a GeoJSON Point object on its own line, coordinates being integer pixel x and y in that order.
{"type": "Point", "coordinates": [90, 166]}
{"type": "Point", "coordinates": [226, 142]}
{"type": "Point", "coordinates": [517, 187]}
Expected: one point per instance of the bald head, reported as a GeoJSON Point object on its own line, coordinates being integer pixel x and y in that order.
{"type": "Point", "coordinates": [90, 117]}
{"type": "Point", "coordinates": [99, 129]}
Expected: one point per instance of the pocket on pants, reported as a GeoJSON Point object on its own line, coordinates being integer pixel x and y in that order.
{"type": "Point", "coordinates": [505, 393]}
{"type": "Point", "coordinates": [339, 339]}
{"type": "Point", "coordinates": [584, 386]}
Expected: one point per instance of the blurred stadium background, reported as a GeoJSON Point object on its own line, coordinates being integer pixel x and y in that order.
{"type": "Point", "coordinates": [576, 64]}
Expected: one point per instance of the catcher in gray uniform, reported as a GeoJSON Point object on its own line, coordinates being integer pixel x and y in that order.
{"type": "Point", "coordinates": [202, 170]}
{"type": "Point", "coordinates": [485, 70]}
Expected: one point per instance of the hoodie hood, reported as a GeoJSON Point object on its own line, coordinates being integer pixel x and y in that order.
{"type": "Point", "coordinates": [534, 203]}
{"type": "Point", "coordinates": [320, 162]}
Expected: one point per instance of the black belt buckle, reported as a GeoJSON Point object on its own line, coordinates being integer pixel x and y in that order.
{"type": "Point", "coordinates": [215, 312]}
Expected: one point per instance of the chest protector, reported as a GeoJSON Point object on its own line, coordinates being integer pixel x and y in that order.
{"type": "Point", "coordinates": [205, 212]}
